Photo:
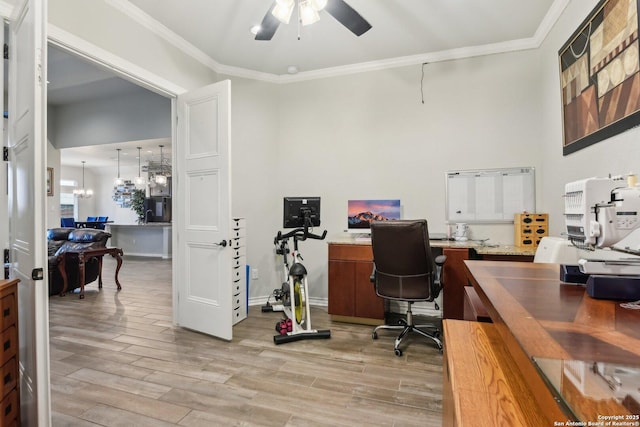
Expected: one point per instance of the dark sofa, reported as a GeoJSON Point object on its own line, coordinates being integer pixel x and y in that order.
{"type": "Point", "coordinates": [62, 240]}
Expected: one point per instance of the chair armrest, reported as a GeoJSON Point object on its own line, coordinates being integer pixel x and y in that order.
{"type": "Point", "coordinates": [372, 277]}
{"type": "Point", "coordinates": [440, 260]}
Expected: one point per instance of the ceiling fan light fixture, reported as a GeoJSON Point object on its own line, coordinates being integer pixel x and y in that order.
{"type": "Point", "coordinates": [255, 29]}
{"type": "Point", "coordinates": [283, 11]}
{"type": "Point", "coordinates": [308, 14]}
{"type": "Point", "coordinates": [318, 4]}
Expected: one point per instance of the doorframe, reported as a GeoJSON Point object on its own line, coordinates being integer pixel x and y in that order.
{"type": "Point", "coordinates": [143, 78]}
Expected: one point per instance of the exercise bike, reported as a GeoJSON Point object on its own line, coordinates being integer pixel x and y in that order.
{"type": "Point", "coordinates": [294, 292]}
{"type": "Point", "coordinates": [282, 248]}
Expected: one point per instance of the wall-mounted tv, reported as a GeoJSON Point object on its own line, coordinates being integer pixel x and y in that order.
{"type": "Point", "coordinates": [362, 212]}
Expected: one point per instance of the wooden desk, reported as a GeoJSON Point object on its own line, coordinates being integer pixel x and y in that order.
{"type": "Point", "coordinates": [350, 264]}
{"type": "Point", "coordinates": [537, 316]}
{"type": "Point", "coordinates": [548, 318]}
{"type": "Point", "coordinates": [82, 257]}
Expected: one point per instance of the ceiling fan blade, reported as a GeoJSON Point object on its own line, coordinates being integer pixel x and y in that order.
{"type": "Point", "coordinates": [268, 26]}
{"type": "Point", "coordinates": [348, 17]}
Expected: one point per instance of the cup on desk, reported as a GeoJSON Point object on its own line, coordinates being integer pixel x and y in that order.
{"type": "Point", "coordinates": [461, 232]}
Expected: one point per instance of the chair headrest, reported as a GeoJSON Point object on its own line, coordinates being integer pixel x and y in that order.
{"type": "Point", "coordinates": [60, 233]}
{"type": "Point", "coordinates": [88, 235]}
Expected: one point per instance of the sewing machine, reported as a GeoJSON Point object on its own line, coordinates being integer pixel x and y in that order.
{"type": "Point", "coordinates": [602, 217]}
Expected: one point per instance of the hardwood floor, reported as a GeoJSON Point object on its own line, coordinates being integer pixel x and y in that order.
{"type": "Point", "coordinates": [116, 360]}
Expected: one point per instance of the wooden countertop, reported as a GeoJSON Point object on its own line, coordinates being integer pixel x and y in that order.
{"type": "Point", "coordinates": [478, 246]}
{"type": "Point", "coordinates": [551, 319]}
{"type": "Point", "coordinates": [540, 320]}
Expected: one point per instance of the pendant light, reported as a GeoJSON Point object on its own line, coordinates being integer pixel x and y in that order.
{"type": "Point", "coordinates": [118, 181]}
{"type": "Point", "coordinates": [139, 180]}
{"type": "Point", "coordinates": [161, 179]}
{"type": "Point", "coordinates": [83, 193]}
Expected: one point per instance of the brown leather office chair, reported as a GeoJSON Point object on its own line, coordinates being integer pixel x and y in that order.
{"type": "Point", "coordinates": [405, 270]}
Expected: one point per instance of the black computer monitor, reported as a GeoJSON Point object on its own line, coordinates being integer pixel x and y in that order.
{"type": "Point", "coordinates": [301, 212]}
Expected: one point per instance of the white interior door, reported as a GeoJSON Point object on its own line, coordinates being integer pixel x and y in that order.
{"type": "Point", "coordinates": [203, 198]}
{"type": "Point", "coordinates": [27, 154]}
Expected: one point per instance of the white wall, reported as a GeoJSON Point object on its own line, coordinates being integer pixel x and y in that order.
{"type": "Point", "coordinates": [368, 135]}
{"type": "Point", "coordinates": [135, 115]}
{"type": "Point", "coordinates": [617, 155]}
{"type": "Point", "coordinates": [255, 177]}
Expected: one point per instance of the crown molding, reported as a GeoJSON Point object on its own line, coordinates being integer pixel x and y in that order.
{"type": "Point", "coordinates": [157, 28]}
{"type": "Point", "coordinates": [162, 31]}
{"type": "Point", "coordinates": [549, 20]}
{"type": "Point", "coordinates": [6, 9]}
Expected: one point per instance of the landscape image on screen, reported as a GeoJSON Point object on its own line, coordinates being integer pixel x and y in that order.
{"type": "Point", "coordinates": [362, 212]}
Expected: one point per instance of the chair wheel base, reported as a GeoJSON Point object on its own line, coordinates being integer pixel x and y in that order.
{"type": "Point", "coordinates": [397, 351]}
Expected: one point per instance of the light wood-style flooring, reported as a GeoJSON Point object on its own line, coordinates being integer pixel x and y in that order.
{"type": "Point", "coordinates": [116, 360]}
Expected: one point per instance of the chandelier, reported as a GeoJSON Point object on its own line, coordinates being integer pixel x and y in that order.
{"type": "Point", "coordinates": [160, 178]}
{"type": "Point", "coordinates": [118, 181]}
{"type": "Point", "coordinates": [83, 193]}
{"type": "Point", "coordinates": [139, 180]}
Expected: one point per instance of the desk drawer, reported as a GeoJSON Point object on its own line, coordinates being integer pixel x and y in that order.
{"type": "Point", "coordinates": [238, 252]}
{"type": "Point", "coordinates": [9, 409]}
{"type": "Point", "coordinates": [350, 252]}
{"type": "Point", "coordinates": [236, 234]}
{"type": "Point", "coordinates": [8, 344]}
{"type": "Point", "coordinates": [8, 313]}
{"type": "Point", "coordinates": [237, 243]}
{"type": "Point", "coordinates": [8, 377]}
{"type": "Point", "coordinates": [238, 223]}
{"type": "Point", "coordinates": [238, 262]}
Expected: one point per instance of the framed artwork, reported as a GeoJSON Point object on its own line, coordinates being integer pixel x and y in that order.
{"type": "Point", "coordinates": [50, 182]}
{"type": "Point", "coordinates": [600, 76]}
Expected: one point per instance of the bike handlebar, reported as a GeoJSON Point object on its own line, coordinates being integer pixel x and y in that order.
{"type": "Point", "coordinates": [301, 234]}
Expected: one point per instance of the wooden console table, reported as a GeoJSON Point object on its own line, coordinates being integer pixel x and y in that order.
{"type": "Point", "coordinates": [85, 255]}
{"type": "Point", "coordinates": [535, 317]}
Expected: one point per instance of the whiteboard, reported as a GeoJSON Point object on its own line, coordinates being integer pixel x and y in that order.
{"type": "Point", "coordinates": [490, 195]}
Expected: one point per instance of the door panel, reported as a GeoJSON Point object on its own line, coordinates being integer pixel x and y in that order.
{"type": "Point", "coordinates": [204, 200]}
{"type": "Point", "coordinates": [27, 154]}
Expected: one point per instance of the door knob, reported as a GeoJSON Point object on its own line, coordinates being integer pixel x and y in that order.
{"type": "Point", "coordinates": [222, 243]}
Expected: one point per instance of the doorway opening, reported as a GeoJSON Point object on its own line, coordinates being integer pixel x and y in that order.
{"type": "Point", "coordinates": [93, 111]}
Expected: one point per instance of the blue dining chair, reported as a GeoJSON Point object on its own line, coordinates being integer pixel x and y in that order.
{"type": "Point", "coordinates": [67, 222]}
{"type": "Point", "coordinates": [101, 220]}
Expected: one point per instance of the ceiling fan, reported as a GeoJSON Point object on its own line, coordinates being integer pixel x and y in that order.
{"type": "Point", "coordinates": [281, 11]}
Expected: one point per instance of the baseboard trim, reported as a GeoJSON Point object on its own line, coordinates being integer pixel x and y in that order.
{"type": "Point", "coordinates": [419, 308]}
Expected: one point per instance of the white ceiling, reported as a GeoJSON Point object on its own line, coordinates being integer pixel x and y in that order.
{"type": "Point", "coordinates": [401, 30]}
{"type": "Point", "coordinates": [217, 32]}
